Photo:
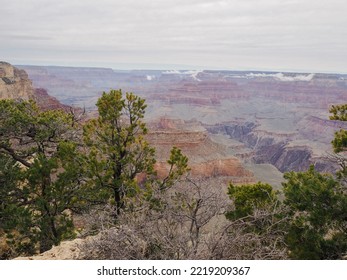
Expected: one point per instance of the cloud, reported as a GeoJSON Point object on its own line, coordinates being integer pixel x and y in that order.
{"type": "Point", "coordinates": [282, 77]}
{"type": "Point", "coordinates": [259, 34]}
{"type": "Point", "coordinates": [172, 72]}
{"type": "Point", "coordinates": [150, 77]}
{"type": "Point", "coordinates": [22, 37]}
{"type": "Point", "coordinates": [192, 73]}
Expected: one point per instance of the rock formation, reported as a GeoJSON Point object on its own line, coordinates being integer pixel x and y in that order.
{"type": "Point", "coordinates": [207, 158]}
{"type": "Point", "coordinates": [66, 250]}
{"type": "Point", "coordinates": [14, 83]}
{"type": "Point", "coordinates": [280, 118]}
{"type": "Point", "coordinates": [286, 151]}
{"type": "Point", "coordinates": [47, 102]}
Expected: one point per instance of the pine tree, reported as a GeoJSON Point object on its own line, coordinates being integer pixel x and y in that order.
{"type": "Point", "coordinates": [117, 149]}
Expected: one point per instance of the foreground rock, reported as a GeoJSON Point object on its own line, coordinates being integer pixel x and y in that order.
{"type": "Point", "coordinates": [67, 250]}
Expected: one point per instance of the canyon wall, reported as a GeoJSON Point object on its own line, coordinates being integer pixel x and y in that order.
{"type": "Point", "coordinates": [207, 158]}
{"type": "Point", "coordinates": [280, 118]}
{"type": "Point", "coordinates": [280, 149]}
{"type": "Point", "coordinates": [14, 83]}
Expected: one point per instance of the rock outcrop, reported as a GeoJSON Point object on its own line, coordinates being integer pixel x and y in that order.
{"type": "Point", "coordinates": [285, 158]}
{"type": "Point", "coordinates": [14, 83]}
{"type": "Point", "coordinates": [66, 250]}
{"type": "Point", "coordinates": [286, 151]}
{"type": "Point", "coordinates": [47, 102]}
{"type": "Point", "coordinates": [207, 159]}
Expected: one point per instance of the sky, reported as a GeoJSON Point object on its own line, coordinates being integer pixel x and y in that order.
{"type": "Point", "coordinates": [266, 35]}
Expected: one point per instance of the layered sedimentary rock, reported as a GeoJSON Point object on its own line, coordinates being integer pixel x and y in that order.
{"type": "Point", "coordinates": [230, 168]}
{"type": "Point", "coordinates": [14, 83]}
{"type": "Point", "coordinates": [286, 151]}
{"type": "Point", "coordinates": [47, 102]}
{"type": "Point", "coordinates": [281, 118]}
{"type": "Point", "coordinates": [298, 92]}
{"type": "Point", "coordinates": [204, 93]}
{"type": "Point", "coordinates": [206, 158]}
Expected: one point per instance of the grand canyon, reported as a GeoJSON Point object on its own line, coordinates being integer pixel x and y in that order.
{"type": "Point", "coordinates": [240, 126]}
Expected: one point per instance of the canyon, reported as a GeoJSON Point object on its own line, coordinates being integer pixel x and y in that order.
{"type": "Point", "coordinates": [241, 126]}
{"type": "Point", "coordinates": [238, 127]}
{"type": "Point", "coordinates": [207, 158]}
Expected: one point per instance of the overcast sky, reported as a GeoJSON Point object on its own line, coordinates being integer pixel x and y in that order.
{"type": "Point", "coordinates": [292, 35]}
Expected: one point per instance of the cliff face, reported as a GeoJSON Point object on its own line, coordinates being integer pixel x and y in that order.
{"type": "Point", "coordinates": [314, 92]}
{"type": "Point", "coordinates": [230, 168]}
{"type": "Point", "coordinates": [207, 158]}
{"type": "Point", "coordinates": [204, 93]}
{"type": "Point", "coordinates": [286, 151]}
{"type": "Point", "coordinates": [280, 118]}
{"type": "Point", "coordinates": [14, 83]}
{"type": "Point", "coordinates": [47, 102]}
{"type": "Point", "coordinates": [285, 158]}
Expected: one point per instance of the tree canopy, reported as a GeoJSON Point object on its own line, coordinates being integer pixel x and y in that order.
{"type": "Point", "coordinates": [248, 198]}
{"type": "Point", "coordinates": [339, 113]}
{"type": "Point", "coordinates": [40, 175]}
{"type": "Point", "coordinates": [318, 211]}
{"type": "Point", "coordinates": [117, 150]}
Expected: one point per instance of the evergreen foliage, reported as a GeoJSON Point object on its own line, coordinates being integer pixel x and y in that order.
{"type": "Point", "coordinates": [47, 175]}
{"type": "Point", "coordinates": [318, 211]}
{"type": "Point", "coordinates": [117, 150]}
{"type": "Point", "coordinates": [40, 176]}
{"type": "Point", "coordinates": [248, 198]}
{"type": "Point", "coordinates": [340, 141]}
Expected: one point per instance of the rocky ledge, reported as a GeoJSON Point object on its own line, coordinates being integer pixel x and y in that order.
{"type": "Point", "coordinates": [14, 83]}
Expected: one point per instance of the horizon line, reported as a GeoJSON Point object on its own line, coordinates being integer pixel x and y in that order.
{"type": "Point", "coordinates": [184, 68]}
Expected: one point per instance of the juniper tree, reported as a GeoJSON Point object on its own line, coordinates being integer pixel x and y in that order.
{"type": "Point", "coordinates": [40, 174]}
{"type": "Point", "coordinates": [339, 112]}
{"type": "Point", "coordinates": [318, 212]}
